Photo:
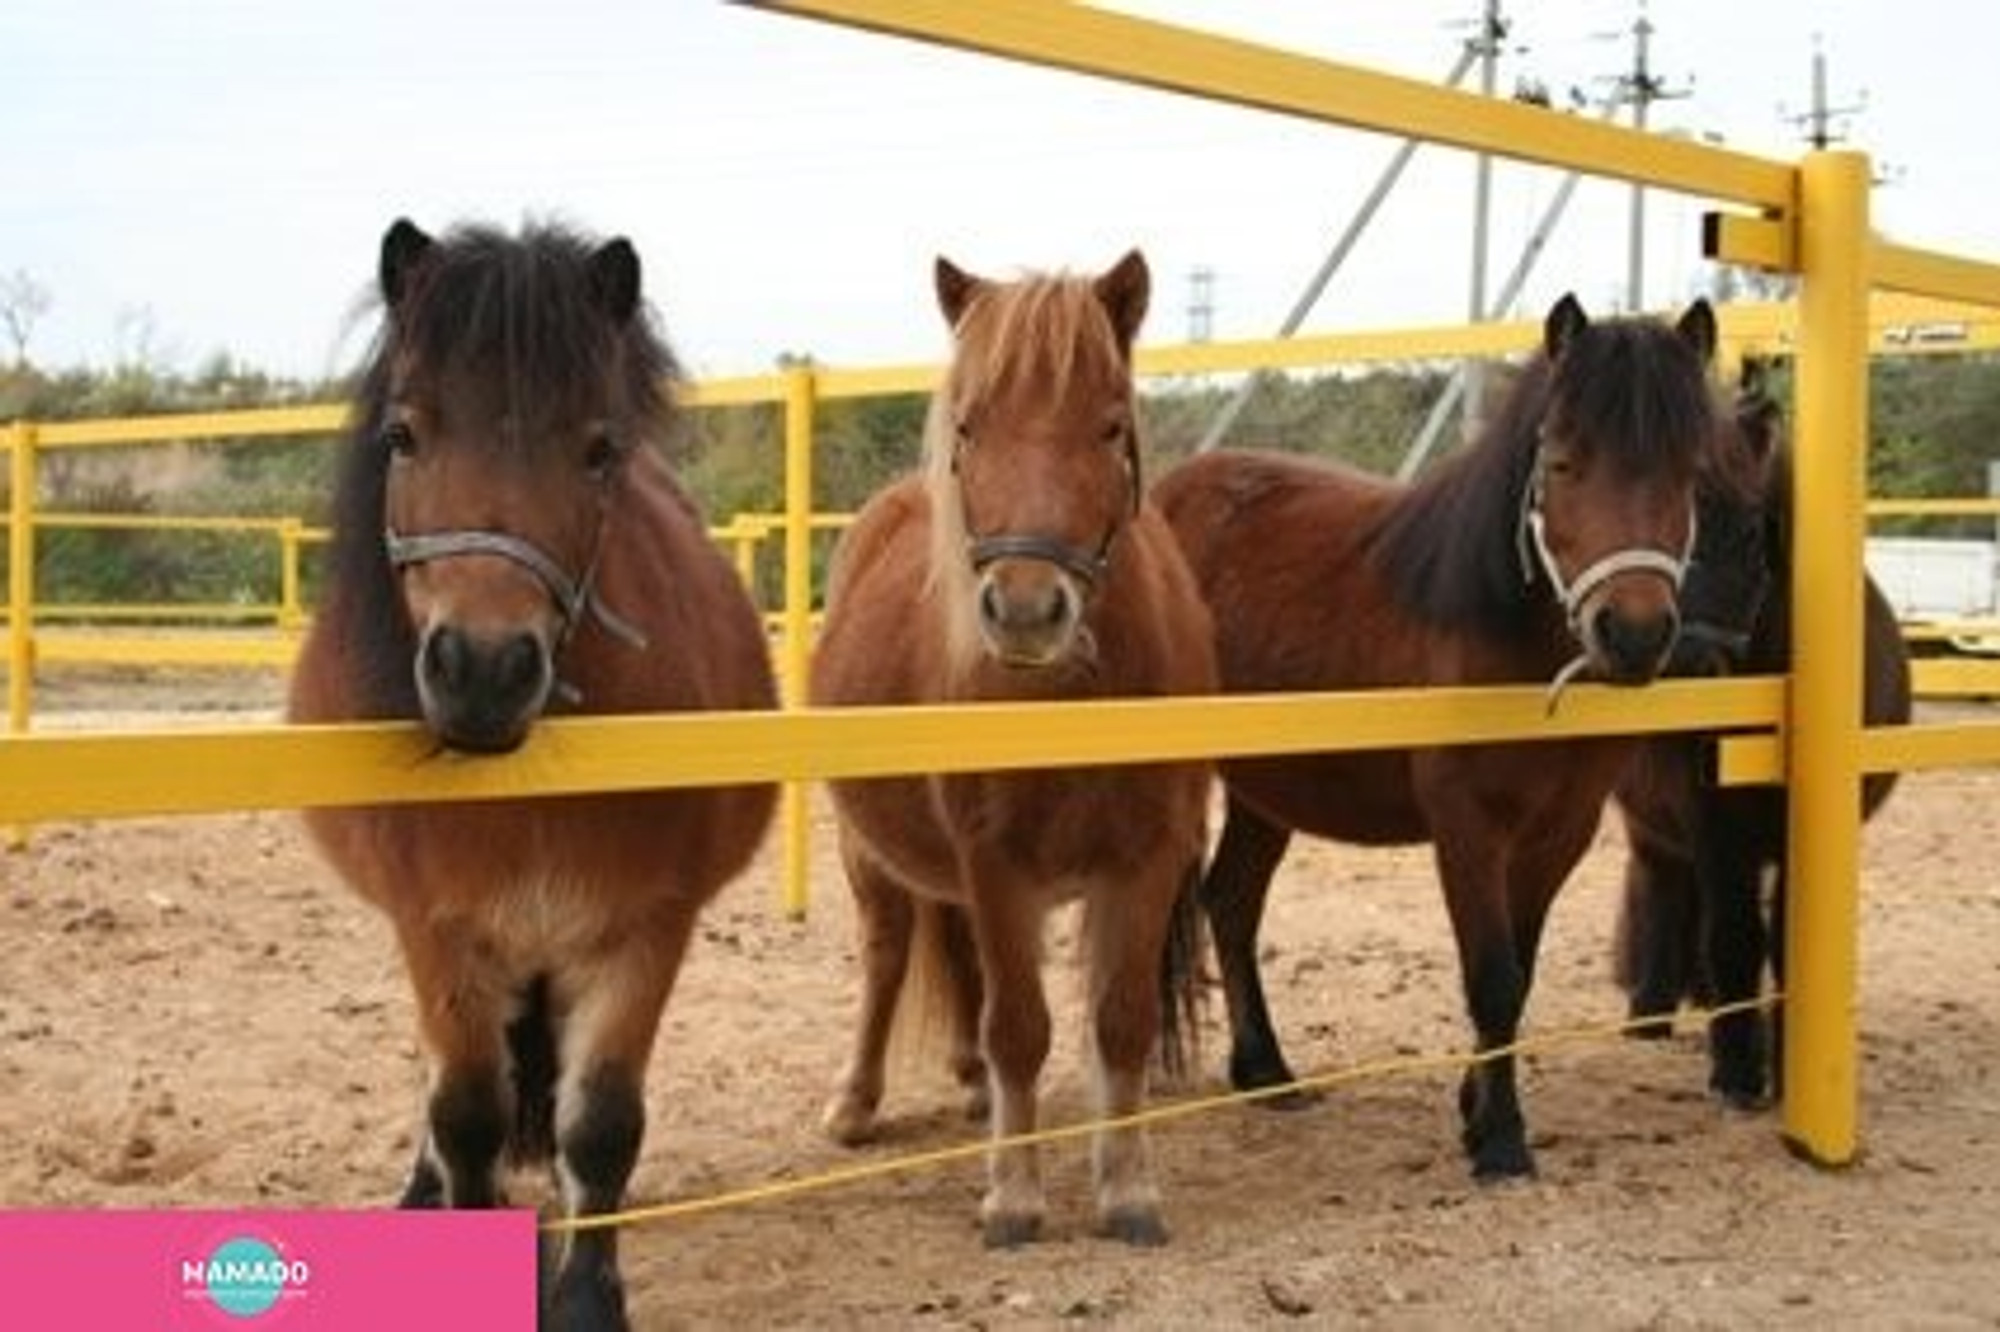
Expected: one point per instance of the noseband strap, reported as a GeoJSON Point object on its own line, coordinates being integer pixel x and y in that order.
{"type": "Point", "coordinates": [1532, 539]}
{"type": "Point", "coordinates": [574, 596]}
{"type": "Point", "coordinates": [1087, 567]}
{"type": "Point", "coordinates": [1532, 545]}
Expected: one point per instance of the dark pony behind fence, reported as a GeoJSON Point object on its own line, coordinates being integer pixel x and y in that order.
{"type": "Point", "coordinates": [509, 544]}
{"type": "Point", "coordinates": [1551, 549]}
{"type": "Point", "coordinates": [1024, 563]}
{"type": "Point", "coordinates": [1693, 922]}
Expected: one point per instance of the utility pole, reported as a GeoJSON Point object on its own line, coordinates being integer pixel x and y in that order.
{"type": "Point", "coordinates": [1492, 31]}
{"type": "Point", "coordinates": [1457, 387]}
{"type": "Point", "coordinates": [1640, 87]}
{"type": "Point", "coordinates": [1201, 304]}
{"type": "Point", "coordinates": [1392, 172]}
{"type": "Point", "coordinates": [1823, 123]}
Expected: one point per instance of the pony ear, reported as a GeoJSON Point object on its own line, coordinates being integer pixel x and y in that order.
{"type": "Point", "coordinates": [1566, 319]}
{"type": "Point", "coordinates": [1125, 289]}
{"type": "Point", "coordinates": [1697, 329]}
{"type": "Point", "coordinates": [1759, 419]}
{"type": "Point", "coordinates": [1752, 376]}
{"type": "Point", "coordinates": [404, 245]}
{"type": "Point", "coordinates": [614, 276]}
{"type": "Point", "coordinates": [955, 288]}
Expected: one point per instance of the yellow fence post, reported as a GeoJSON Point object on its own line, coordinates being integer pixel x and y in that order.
{"type": "Point", "coordinates": [21, 576]}
{"type": "Point", "coordinates": [291, 602]}
{"type": "Point", "coordinates": [20, 593]}
{"type": "Point", "coordinates": [794, 665]}
{"type": "Point", "coordinates": [1822, 923]}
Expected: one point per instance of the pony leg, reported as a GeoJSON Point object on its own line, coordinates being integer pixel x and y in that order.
{"type": "Point", "coordinates": [1498, 890]}
{"type": "Point", "coordinates": [1736, 945]}
{"type": "Point", "coordinates": [1014, 1029]}
{"type": "Point", "coordinates": [461, 1012]}
{"type": "Point", "coordinates": [958, 954]}
{"type": "Point", "coordinates": [606, 1039]}
{"type": "Point", "coordinates": [885, 917]}
{"type": "Point", "coordinates": [1658, 925]}
{"type": "Point", "coordinates": [1127, 939]}
{"type": "Point", "coordinates": [1775, 945]}
{"type": "Point", "coordinates": [1233, 893]}
{"type": "Point", "coordinates": [1489, 1106]}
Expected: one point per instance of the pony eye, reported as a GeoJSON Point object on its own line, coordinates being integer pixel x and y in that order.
{"type": "Point", "coordinates": [602, 453]}
{"type": "Point", "coordinates": [399, 440]}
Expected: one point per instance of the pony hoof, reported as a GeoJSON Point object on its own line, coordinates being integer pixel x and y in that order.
{"type": "Point", "coordinates": [1139, 1227]}
{"type": "Point", "coordinates": [1497, 1162]}
{"type": "Point", "coordinates": [1011, 1230]}
{"type": "Point", "coordinates": [589, 1302]}
{"type": "Point", "coordinates": [846, 1123]}
{"type": "Point", "coordinates": [1749, 1100]}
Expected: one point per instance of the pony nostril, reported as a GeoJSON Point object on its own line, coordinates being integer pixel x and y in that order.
{"type": "Point", "coordinates": [991, 608]}
{"type": "Point", "coordinates": [446, 658]}
{"type": "Point", "coordinates": [517, 666]}
{"type": "Point", "coordinates": [504, 674]}
{"type": "Point", "coordinates": [1058, 609]}
{"type": "Point", "coordinates": [1636, 647]}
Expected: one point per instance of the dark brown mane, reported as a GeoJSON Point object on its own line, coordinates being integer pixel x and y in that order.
{"type": "Point", "coordinates": [1634, 387]}
{"type": "Point", "coordinates": [518, 308]}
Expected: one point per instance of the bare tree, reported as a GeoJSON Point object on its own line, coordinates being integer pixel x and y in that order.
{"type": "Point", "coordinates": [23, 301]}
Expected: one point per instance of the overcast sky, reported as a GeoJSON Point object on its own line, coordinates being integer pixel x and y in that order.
{"type": "Point", "coordinates": [215, 175]}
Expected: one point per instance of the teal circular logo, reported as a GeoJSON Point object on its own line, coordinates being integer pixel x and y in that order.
{"type": "Point", "coordinates": [246, 1277]}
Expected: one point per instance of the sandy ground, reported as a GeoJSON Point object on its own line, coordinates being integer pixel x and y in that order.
{"type": "Point", "coordinates": [193, 1012]}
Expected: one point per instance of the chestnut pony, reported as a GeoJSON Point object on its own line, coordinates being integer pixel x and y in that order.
{"type": "Point", "coordinates": [509, 543]}
{"type": "Point", "coordinates": [1024, 563]}
{"type": "Point", "coordinates": [1552, 547]}
{"type": "Point", "coordinates": [1692, 923]}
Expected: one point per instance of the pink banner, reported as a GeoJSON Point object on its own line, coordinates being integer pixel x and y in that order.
{"type": "Point", "coordinates": [381, 1271]}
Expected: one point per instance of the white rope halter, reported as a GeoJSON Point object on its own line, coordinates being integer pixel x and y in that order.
{"type": "Point", "coordinates": [1531, 540]}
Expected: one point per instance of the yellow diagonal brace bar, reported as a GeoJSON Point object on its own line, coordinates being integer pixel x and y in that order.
{"type": "Point", "coordinates": [1136, 50]}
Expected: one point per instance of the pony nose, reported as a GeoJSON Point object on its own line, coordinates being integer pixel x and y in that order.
{"type": "Point", "coordinates": [1037, 608]}
{"type": "Point", "coordinates": [480, 694]}
{"type": "Point", "coordinates": [1635, 648]}
{"type": "Point", "coordinates": [1027, 621]}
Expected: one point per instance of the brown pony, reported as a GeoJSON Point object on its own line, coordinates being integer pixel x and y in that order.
{"type": "Point", "coordinates": [508, 543]}
{"type": "Point", "coordinates": [1692, 923]}
{"type": "Point", "coordinates": [1552, 547]}
{"type": "Point", "coordinates": [1024, 564]}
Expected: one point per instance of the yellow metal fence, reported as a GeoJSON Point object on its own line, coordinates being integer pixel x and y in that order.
{"type": "Point", "coordinates": [1811, 218]}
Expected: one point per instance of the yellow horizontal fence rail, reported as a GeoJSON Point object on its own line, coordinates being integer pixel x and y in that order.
{"type": "Point", "coordinates": [1898, 324]}
{"type": "Point", "coordinates": [48, 777]}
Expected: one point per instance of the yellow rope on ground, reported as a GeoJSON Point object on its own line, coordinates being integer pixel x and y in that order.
{"type": "Point", "coordinates": [1157, 1114]}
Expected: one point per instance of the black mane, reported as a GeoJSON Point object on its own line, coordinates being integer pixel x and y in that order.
{"type": "Point", "coordinates": [1450, 549]}
{"type": "Point", "coordinates": [519, 310]}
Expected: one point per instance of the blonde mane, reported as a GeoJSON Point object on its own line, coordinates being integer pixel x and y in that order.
{"type": "Point", "coordinates": [1038, 329]}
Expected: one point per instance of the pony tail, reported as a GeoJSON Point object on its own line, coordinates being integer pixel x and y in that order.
{"type": "Point", "coordinates": [1180, 990]}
